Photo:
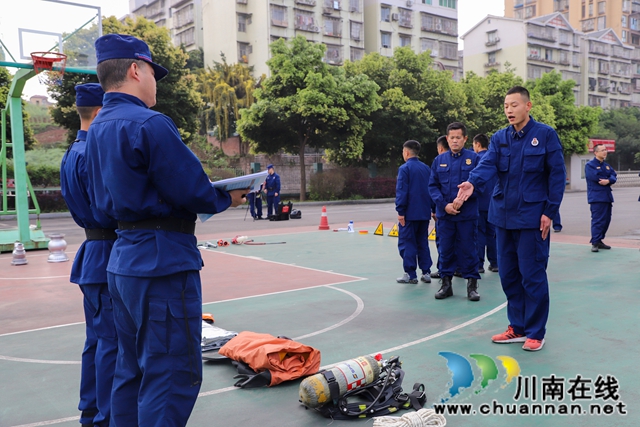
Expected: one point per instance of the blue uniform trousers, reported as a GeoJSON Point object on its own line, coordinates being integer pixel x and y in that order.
{"type": "Point", "coordinates": [272, 204]}
{"type": "Point", "coordinates": [159, 367]}
{"type": "Point", "coordinates": [522, 259]}
{"type": "Point", "coordinates": [413, 245]}
{"type": "Point", "coordinates": [458, 248]}
{"type": "Point", "coordinates": [600, 220]}
{"type": "Point", "coordinates": [486, 240]}
{"type": "Point", "coordinates": [98, 356]}
{"type": "Point", "coordinates": [255, 205]}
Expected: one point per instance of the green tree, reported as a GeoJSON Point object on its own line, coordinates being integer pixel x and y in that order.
{"type": "Point", "coordinates": [195, 62]}
{"type": "Point", "coordinates": [225, 88]}
{"type": "Point", "coordinates": [176, 94]}
{"type": "Point", "coordinates": [574, 124]}
{"type": "Point", "coordinates": [307, 103]}
{"type": "Point", "coordinates": [622, 125]}
{"type": "Point", "coordinates": [5, 86]}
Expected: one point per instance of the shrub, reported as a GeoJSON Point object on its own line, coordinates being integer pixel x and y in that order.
{"type": "Point", "coordinates": [328, 185]}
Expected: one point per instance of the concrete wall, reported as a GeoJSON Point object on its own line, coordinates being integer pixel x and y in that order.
{"type": "Point", "coordinates": [575, 171]}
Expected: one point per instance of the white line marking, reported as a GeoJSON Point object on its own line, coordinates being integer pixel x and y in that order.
{"type": "Point", "coordinates": [48, 362]}
{"type": "Point", "coordinates": [41, 329]}
{"type": "Point", "coordinates": [35, 277]}
{"type": "Point", "coordinates": [50, 422]}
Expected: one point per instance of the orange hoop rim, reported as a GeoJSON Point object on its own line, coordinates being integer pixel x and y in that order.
{"type": "Point", "coordinates": [46, 61]}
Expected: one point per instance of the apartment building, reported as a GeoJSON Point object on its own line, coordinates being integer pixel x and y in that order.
{"type": "Point", "coordinates": [422, 24]}
{"type": "Point", "coordinates": [183, 18]}
{"type": "Point", "coordinates": [599, 62]}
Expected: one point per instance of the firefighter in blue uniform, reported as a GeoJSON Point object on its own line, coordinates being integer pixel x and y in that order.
{"type": "Point", "coordinates": [89, 269]}
{"type": "Point", "coordinates": [600, 177]}
{"type": "Point", "coordinates": [486, 230]}
{"type": "Point", "coordinates": [413, 205]}
{"type": "Point", "coordinates": [272, 190]}
{"type": "Point", "coordinates": [144, 176]}
{"type": "Point", "coordinates": [457, 219]}
{"type": "Point", "coordinates": [527, 158]}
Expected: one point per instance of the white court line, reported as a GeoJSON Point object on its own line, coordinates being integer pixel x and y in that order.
{"type": "Point", "coordinates": [35, 277]}
{"type": "Point", "coordinates": [50, 422]}
{"type": "Point", "coordinates": [47, 362]}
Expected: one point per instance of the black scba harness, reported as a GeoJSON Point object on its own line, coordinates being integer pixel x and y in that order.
{"type": "Point", "coordinates": [382, 397]}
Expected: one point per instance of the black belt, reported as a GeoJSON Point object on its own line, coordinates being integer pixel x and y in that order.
{"type": "Point", "coordinates": [100, 234]}
{"type": "Point", "coordinates": [167, 224]}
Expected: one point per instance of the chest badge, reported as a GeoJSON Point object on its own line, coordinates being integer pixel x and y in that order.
{"type": "Point", "coordinates": [608, 168]}
{"type": "Point", "coordinates": [468, 162]}
{"type": "Point", "coordinates": [534, 142]}
{"type": "Point", "coordinates": [443, 165]}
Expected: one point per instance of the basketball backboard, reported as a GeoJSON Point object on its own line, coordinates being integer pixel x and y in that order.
{"type": "Point", "coordinates": [68, 27]}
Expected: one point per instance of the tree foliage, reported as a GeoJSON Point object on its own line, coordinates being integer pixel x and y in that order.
{"type": "Point", "coordinates": [176, 94]}
{"type": "Point", "coordinates": [307, 103]}
{"type": "Point", "coordinates": [5, 86]}
{"type": "Point", "coordinates": [622, 125]}
{"type": "Point", "coordinates": [225, 88]}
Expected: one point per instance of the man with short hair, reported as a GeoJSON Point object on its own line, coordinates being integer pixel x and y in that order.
{"type": "Point", "coordinates": [145, 177]}
{"type": "Point", "coordinates": [486, 230]}
{"type": "Point", "coordinates": [89, 269]}
{"type": "Point", "coordinates": [272, 190]}
{"type": "Point", "coordinates": [457, 219]}
{"type": "Point", "coordinates": [527, 158]}
{"type": "Point", "coordinates": [600, 176]}
{"type": "Point", "coordinates": [413, 205]}
{"type": "Point", "coordinates": [442, 146]}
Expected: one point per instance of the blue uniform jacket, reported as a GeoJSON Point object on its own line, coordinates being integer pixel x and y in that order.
{"type": "Point", "coordinates": [447, 172]}
{"type": "Point", "coordinates": [90, 263]}
{"type": "Point", "coordinates": [412, 193]}
{"type": "Point", "coordinates": [531, 175]}
{"type": "Point", "coordinates": [594, 171]}
{"type": "Point", "coordinates": [484, 197]}
{"type": "Point", "coordinates": [272, 184]}
{"type": "Point", "coordinates": [139, 168]}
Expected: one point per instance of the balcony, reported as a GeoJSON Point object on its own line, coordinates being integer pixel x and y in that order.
{"type": "Point", "coordinates": [492, 42]}
{"type": "Point", "coordinates": [547, 37]}
{"type": "Point", "coordinates": [306, 2]}
{"type": "Point", "coordinates": [491, 64]}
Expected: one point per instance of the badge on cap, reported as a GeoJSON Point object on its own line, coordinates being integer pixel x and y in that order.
{"type": "Point", "coordinates": [468, 162]}
{"type": "Point", "coordinates": [534, 142]}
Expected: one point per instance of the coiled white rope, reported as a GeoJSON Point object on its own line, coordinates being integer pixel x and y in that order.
{"type": "Point", "coordinates": [421, 418]}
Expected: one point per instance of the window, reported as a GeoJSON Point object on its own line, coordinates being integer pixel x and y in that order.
{"type": "Point", "coordinates": [593, 65]}
{"type": "Point", "coordinates": [428, 44]}
{"type": "Point", "coordinates": [244, 49]}
{"type": "Point", "coordinates": [385, 13]}
{"type": "Point", "coordinates": [406, 17]}
{"type": "Point", "coordinates": [354, 5]}
{"type": "Point", "coordinates": [405, 40]}
{"type": "Point", "coordinates": [187, 37]}
{"type": "Point", "coordinates": [529, 12]}
{"type": "Point", "coordinates": [576, 59]}
{"type": "Point", "coordinates": [279, 15]}
{"type": "Point", "coordinates": [565, 37]}
{"type": "Point", "coordinates": [385, 39]}
{"type": "Point", "coordinates": [492, 38]}
{"type": "Point", "coordinates": [437, 24]}
{"type": "Point", "coordinates": [633, 23]}
{"type": "Point", "coordinates": [184, 16]}
{"type": "Point", "coordinates": [548, 55]}
{"type": "Point", "coordinates": [448, 50]}
{"type": "Point", "coordinates": [624, 21]}
{"type": "Point", "coordinates": [584, 11]}
{"type": "Point", "coordinates": [451, 4]}
{"type": "Point", "coordinates": [305, 21]}
{"type": "Point", "coordinates": [332, 4]}
{"type": "Point", "coordinates": [356, 54]}
{"type": "Point", "coordinates": [535, 72]}
{"type": "Point", "coordinates": [332, 27]}
{"type": "Point", "coordinates": [334, 54]}
{"type": "Point", "coordinates": [625, 35]}
{"type": "Point", "coordinates": [243, 20]}
{"type": "Point", "coordinates": [518, 14]}
{"type": "Point", "coordinates": [534, 52]}
{"type": "Point", "coordinates": [426, 1]}
{"type": "Point", "coordinates": [356, 30]}
{"type": "Point", "coordinates": [590, 9]}
{"type": "Point", "coordinates": [602, 23]}
{"type": "Point", "coordinates": [601, 7]}
{"type": "Point", "coordinates": [564, 57]}
{"type": "Point", "coordinates": [491, 58]}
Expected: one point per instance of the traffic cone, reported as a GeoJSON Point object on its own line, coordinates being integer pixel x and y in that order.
{"type": "Point", "coordinates": [324, 222]}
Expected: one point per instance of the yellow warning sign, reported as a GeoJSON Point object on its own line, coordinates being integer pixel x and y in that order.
{"type": "Point", "coordinates": [432, 235]}
{"type": "Point", "coordinates": [394, 231]}
{"type": "Point", "coordinates": [379, 231]}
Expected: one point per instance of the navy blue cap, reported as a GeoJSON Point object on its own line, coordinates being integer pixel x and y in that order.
{"type": "Point", "coordinates": [270, 165]}
{"type": "Point", "coordinates": [120, 46]}
{"type": "Point", "coordinates": [89, 95]}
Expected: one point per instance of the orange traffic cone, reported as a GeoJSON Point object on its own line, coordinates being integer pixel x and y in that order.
{"type": "Point", "coordinates": [324, 222]}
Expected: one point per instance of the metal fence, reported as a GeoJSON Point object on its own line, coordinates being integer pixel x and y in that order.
{"type": "Point", "coordinates": [628, 179]}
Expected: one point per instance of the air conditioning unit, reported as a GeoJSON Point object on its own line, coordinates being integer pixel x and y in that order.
{"type": "Point", "coordinates": [394, 16]}
{"type": "Point", "coordinates": [409, 3]}
{"type": "Point", "coordinates": [353, 9]}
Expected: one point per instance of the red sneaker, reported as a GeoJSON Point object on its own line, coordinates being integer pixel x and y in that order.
{"type": "Point", "coordinates": [533, 345]}
{"type": "Point", "coordinates": [508, 337]}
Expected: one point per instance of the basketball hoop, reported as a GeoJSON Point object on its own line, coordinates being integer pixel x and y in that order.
{"type": "Point", "coordinates": [47, 61]}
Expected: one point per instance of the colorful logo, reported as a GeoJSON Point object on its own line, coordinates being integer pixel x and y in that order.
{"type": "Point", "coordinates": [462, 373]}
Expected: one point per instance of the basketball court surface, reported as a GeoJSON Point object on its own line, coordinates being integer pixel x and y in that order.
{"type": "Point", "coordinates": [336, 292]}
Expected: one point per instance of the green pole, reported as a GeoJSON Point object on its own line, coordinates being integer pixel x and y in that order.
{"type": "Point", "coordinates": [14, 108]}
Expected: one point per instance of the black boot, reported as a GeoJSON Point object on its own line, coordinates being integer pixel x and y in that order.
{"type": "Point", "coordinates": [472, 290]}
{"type": "Point", "coordinates": [446, 290]}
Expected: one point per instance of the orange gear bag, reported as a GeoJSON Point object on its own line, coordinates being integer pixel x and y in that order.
{"type": "Point", "coordinates": [283, 358]}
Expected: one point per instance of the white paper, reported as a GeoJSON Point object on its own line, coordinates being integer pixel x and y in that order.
{"type": "Point", "coordinates": [251, 181]}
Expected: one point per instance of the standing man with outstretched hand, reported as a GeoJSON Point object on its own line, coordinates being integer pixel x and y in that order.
{"type": "Point", "coordinates": [144, 176]}
{"type": "Point", "coordinates": [527, 158]}
{"type": "Point", "coordinates": [413, 205]}
{"type": "Point", "coordinates": [89, 269]}
{"type": "Point", "coordinates": [272, 189]}
{"type": "Point", "coordinates": [600, 177]}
